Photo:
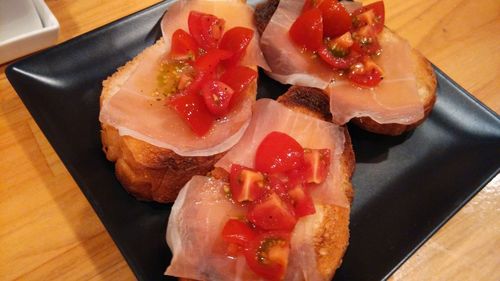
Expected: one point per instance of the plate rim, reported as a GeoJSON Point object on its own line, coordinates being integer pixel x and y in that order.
{"type": "Point", "coordinates": [15, 68]}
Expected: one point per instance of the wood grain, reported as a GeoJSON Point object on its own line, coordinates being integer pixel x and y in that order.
{"type": "Point", "coordinates": [49, 231]}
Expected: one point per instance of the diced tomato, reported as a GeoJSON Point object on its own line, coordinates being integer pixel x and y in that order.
{"type": "Point", "coordinates": [246, 184]}
{"type": "Point", "coordinates": [206, 29]}
{"type": "Point", "coordinates": [217, 96]}
{"type": "Point", "coordinates": [295, 176]}
{"type": "Point", "coordinates": [209, 61]}
{"type": "Point", "coordinates": [343, 41]}
{"type": "Point", "coordinates": [238, 78]}
{"type": "Point", "coordinates": [236, 41]}
{"type": "Point", "coordinates": [205, 67]}
{"type": "Point", "coordinates": [238, 232]}
{"type": "Point", "coordinates": [267, 255]}
{"type": "Point", "coordinates": [367, 18]}
{"type": "Point", "coordinates": [192, 109]}
{"type": "Point", "coordinates": [231, 250]}
{"type": "Point", "coordinates": [343, 62]}
{"type": "Point", "coordinates": [336, 20]}
{"type": "Point", "coordinates": [366, 41]}
{"type": "Point", "coordinates": [376, 21]}
{"type": "Point", "coordinates": [184, 80]}
{"type": "Point", "coordinates": [277, 185]}
{"type": "Point", "coordinates": [272, 213]}
{"type": "Point", "coordinates": [278, 153]}
{"type": "Point", "coordinates": [339, 55]}
{"type": "Point", "coordinates": [366, 73]}
{"type": "Point", "coordinates": [193, 85]}
{"type": "Point", "coordinates": [307, 30]}
{"type": "Point", "coordinates": [309, 4]}
{"type": "Point", "coordinates": [302, 202]}
{"type": "Point", "coordinates": [317, 163]}
{"type": "Point", "coordinates": [183, 46]}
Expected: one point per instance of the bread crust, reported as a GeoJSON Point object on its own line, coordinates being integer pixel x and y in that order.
{"type": "Point", "coordinates": [149, 172]}
{"type": "Point", "coordinates": [146, 171]}
{"type": "Point", "coordinates": [426, 80]}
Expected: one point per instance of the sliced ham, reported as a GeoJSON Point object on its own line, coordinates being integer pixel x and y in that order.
{"type": "Point", "coordinates": [394, 100]}
{"type": "Point", "coordinates": [288, 64]}
{"type": "Point", "coordinates": [201, 210]}
{"type": "Point", "coordinates": [135, 111]}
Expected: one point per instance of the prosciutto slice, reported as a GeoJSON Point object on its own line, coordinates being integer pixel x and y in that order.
{"type": "Point", "coordinates": [396, 98]}
{"type": "Point", "coordinates": [134, 110]}
{"type": "Point", "coordinates": [194, 227]}
{"type": "Point", "coordinates": [199, 213]}
{"type": "Point", "coordinates": [234, 12]}
{"type": "Point", "coordinates": [310, 132]}
{"type": "Point", "coordinates": [288, 64]}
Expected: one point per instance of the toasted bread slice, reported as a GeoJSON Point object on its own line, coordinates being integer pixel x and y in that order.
{"type": "Point", "coordinates": [331, 228]}
{"type": "Point", "coordinates": [426, 79]}
{"type": "Point", "coordinates": [146, 171]}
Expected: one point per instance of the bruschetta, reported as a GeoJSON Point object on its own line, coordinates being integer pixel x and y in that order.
{"type": "Point", "coordinates": [277, 205]}
{"type": "Point", "coordinates": [372, 75]}
{"type": "Point", "coordinates": [171, 112]}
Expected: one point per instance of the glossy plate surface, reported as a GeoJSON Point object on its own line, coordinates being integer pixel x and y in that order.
{"type": "Point", "coordinates": [406, 187]}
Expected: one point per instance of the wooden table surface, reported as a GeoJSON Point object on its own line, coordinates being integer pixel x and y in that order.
{"type": "Point", "coordinates": [49, 231]}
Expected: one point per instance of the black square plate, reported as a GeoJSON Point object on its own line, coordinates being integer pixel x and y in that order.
{"type": "Point", "coordinates": [406, 187]}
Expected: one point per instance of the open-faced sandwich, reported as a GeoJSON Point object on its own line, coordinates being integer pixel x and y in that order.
{"type": "Point", "coordinates": [172, 111]}
{"type": "Point", "coordinates": [276, 207]}
{"type": "Point", "coordinates": [372, 75]}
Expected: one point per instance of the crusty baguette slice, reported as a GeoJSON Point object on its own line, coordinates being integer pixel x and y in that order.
{"type": "Point", "coordinates": [146, 171]}
{"type": "Point", "coordinates": [426, 79]}
{"type": "Point", "coordinates": [331, 229]}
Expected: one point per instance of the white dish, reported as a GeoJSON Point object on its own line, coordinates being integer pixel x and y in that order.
{"type": "Point", "coordinates": [26, 26]}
